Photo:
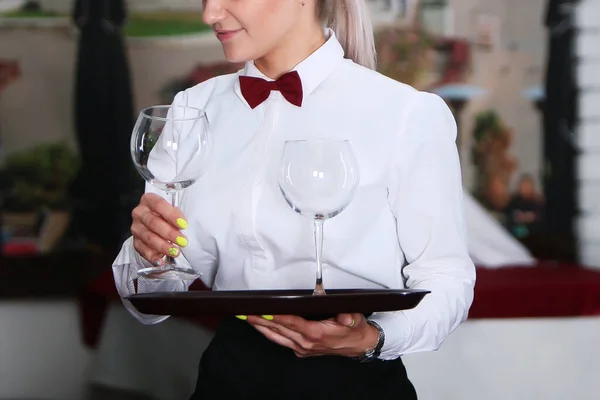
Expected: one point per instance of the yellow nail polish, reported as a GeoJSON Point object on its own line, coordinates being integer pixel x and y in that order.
{"type": "Point", "coordinates": [268, 317]}
{"type": "Point", "coordinates": [242, 317]}
{"type": "Point", "coordinates": [173, 251]}
{"type": "Point", "coordinates": [182, 223]}
{"type": "Point", "coordinates": [181, 241]}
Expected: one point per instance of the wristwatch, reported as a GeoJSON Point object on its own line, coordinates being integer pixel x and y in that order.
{"type": "Point", "coordinates": [374, 353]}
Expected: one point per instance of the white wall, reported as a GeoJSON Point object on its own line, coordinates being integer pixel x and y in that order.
{"type": "Point", "coordinates": [588, 54]}
{"type": "Point", "coordinates": [512, 359]}
{"type": "Point", "coordinates": [8, 5]}
{"type": "Point", "coordinates": [158, 361]}
{"type": "Point", "coordinates": [42, 355]}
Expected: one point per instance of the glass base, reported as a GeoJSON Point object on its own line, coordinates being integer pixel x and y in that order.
{"type": "Point", "coordinates": [169, 272]}
{"type": "Point", "coordinates": [319, 289]}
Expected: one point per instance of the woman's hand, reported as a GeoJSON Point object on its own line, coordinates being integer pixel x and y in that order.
{"type": "Point", "coordinates": [347, 335]}
{"type": "Point", "coordinates": [156, 229]}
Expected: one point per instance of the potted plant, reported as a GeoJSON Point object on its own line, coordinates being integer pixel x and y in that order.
{"type": "Point", "coordinates": [492, 160]}
{"type": "Point", "coordinates": [37, 185]}
{"type": "Point", "coordinates": [405, 54]}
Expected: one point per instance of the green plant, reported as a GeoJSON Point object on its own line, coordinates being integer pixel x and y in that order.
{"type": "Point", "coordinates": [164, 24]}
{"type": "Point", "coordinates": [31, 9]}
{"type": "Point", "coordinates": [40, 176]}
{"type": "Point", "coordinates": [493, 162]}
{"type": "Point", "coordinates": [404, 53]}
{"type": "Point", "coordinates": [485, 122]}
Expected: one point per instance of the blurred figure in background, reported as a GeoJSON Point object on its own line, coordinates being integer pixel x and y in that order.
{"type": "Point", "coordinates": [524, 214]}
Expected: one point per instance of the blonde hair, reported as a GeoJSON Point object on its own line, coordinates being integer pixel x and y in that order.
{"type": "Point", "coordinates": [351, 22]}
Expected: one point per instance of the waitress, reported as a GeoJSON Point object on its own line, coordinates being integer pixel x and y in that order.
{"type": "Point", "coordinates": [405, 227]}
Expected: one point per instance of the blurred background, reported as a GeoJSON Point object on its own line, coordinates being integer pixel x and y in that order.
{"type": "Point", "coordinates": [520, 77]}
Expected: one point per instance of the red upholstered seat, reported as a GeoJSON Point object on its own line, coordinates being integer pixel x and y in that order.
{"type": "Point", "coordinates": [547, 290]}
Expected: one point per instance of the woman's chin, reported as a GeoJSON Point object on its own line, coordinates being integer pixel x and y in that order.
{"type": "Point", "coordinates": [235, 55]}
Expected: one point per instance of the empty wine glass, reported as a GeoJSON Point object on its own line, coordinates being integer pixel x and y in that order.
{"type": "Point", "coordinates": [318, 179]}
{"type": "Point", "coordinates": [170, 147]}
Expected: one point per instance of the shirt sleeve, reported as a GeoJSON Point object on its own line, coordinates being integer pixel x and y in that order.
{"type": "Point", "coordinates": [427, 201]}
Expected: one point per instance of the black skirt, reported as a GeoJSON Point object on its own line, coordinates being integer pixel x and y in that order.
{"type": "Point", "coordinates": [240, 363]}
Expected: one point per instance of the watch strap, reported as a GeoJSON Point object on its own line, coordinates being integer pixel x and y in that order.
{"type": "Point", "coordinates": [374, 353]}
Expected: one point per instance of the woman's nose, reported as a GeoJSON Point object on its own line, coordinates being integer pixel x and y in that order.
{"type": "Point", "coordinates": [213, 12]}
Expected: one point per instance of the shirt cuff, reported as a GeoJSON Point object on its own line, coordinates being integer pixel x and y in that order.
{"type": "Point", "coordinates": [125, 268]}
{"type": "Point", "coordinates": [397, 331]}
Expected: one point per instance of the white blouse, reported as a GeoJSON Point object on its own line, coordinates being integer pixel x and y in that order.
{"type": "Point", "coordinates": [404, 229]}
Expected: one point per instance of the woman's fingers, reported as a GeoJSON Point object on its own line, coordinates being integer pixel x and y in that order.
{"type": "Point", "coordinates": [156, 229]}
{"type": "Point", "coordinates": [161, 207]}
{"type": "Point", "coordinates": [153, 241]}
{"type": "Point", "coordinates": [147, 252]}
{"type": "Point", "coordinates": [155, 225]}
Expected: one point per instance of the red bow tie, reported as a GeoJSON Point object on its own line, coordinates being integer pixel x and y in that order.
{"type": "Point", "coordinates": [257, 90]}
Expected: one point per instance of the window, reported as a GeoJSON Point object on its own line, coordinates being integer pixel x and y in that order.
{"type": "Point", "coordinates": [436, 17]}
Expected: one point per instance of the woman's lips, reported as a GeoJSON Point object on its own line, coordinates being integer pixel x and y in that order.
{"type": "Point", "coordinates": [223, 36]}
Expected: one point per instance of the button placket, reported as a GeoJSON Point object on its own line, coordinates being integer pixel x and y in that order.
{"type": "Point", "coordinates": [251, 188]}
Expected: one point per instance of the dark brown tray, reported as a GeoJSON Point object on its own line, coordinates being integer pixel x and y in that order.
{"type": "Point", "coordinates": [260, 302]}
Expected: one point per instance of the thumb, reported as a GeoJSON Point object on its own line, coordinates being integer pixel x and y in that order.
{"type": "Point", "coordinates": [349, 319]}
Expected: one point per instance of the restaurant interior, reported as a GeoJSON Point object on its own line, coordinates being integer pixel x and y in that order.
{"type": "Point", "coordinates": [526, 100]}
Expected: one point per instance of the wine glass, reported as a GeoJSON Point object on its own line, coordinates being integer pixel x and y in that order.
{"type": "Point", "coordinates": [318, 179]}
{"type": "Point", "coordinates": [170, 147]}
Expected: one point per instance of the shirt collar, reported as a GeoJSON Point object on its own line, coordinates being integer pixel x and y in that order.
{"type": "Point", "coordinates": [312, 70]}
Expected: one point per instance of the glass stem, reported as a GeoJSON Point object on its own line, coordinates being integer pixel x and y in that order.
{"type": "Point", "coordinates": [319, 289]}
{"type": "Point", "coordinates": [173, 194]}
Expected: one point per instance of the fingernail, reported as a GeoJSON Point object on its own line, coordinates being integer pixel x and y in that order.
{"type": "Point", "coordinates": [181, 241]}
{"type": "Point", "coordinates": [242, 317]}
{"type": "Point", "coordinates": [268, 317]}
{"type": "Point", "coordinates": [156, 263]}
{"type": "Point", "coordinates": [182, 223]}
{"type": "Point", "coordinates": [173, 251]}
